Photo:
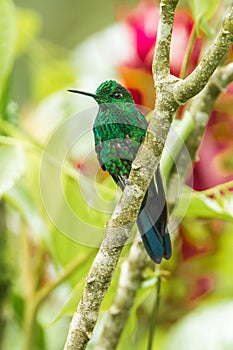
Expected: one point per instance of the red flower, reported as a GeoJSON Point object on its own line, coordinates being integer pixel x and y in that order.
{"type": "Point", "coordinates": [215, 163]}
{"type": "Point", "coordinates": [202, 286]}
{"type": "Point", "coordinates": [143, 24]}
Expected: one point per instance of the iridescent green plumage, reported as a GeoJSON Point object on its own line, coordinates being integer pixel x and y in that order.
{"type": "Point", "coordinates": [119, 129]}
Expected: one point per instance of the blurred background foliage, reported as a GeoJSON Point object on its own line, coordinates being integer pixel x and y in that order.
{"type": "Point", "coordinates": [45, 48]}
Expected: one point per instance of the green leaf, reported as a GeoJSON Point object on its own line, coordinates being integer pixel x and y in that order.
{"type": "Point", "coordinates": [12, 166]}
{"type": "Point", "coordinates": [202, 12]}
{"type": "Point", "coordinates": [75, 295]}
{"type": "Point", "coordinates": [28, 25]}
{"type": "Point", "coordinates": [71, 303]}
{"type": "Point", "coordinates": [179, 133]}
{"type": "Point", "coordinates": [40, 337]}
{"type": "Point", "coordinates": [205, 204]}
{"type": "Point", "coordinates": [65, 249]}
{"type": "Point", "coordinates": [7, 40]}
{"type": "Point", "coordinates": [52, 70]}
{"type": "Point", "coordinates": [206, 27]}
{"type": "Point", "coordinates": [88, 214]}
{"type": "Point", "coordinates": [12, 336]}
{"type": "Point", "coordinates": [128, 338]}
{"type": "Point", "coordinates": [21, 199]}
{"type": "Point", "coordinates": [202, 8]}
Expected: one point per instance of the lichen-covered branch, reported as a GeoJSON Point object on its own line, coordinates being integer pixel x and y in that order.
{"type": "Point", "coordinates": [102, 269]}
{"type": "Point", "coordinates": [200, 110]}
{"type": "Point", "coordinates": [170, 92]}
{"type": "Point", "coordinates": [161, 61]}
{"type": "Point", "coordinates": [130, 279]}
{"type": "Point", "coordinates": [97, 283]}
{"type": "Point", "coordinates": [203, 104]}
{"type": "Point", "coordinates": [132, 269]}
{"type": "Point", "coordinates": [195, 82]}
{"type": "Point", "coordinates": [165, 104]}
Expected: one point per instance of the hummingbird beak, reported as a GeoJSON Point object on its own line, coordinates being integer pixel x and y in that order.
{"type": "Point", "coordinates": [96, 97]}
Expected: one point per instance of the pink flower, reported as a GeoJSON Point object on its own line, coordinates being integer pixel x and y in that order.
{"type": "Point", "coordinates": [143, 24]}
{"type": "Point", "coordinates": [215, 163]}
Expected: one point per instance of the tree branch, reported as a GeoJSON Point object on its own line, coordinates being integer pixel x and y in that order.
{"type": "Point", "coordinates": [161, 60]}
{"type": "Point", "coordinates": [203, 104]}
{"type": "Point", "coordinates": [97, 283]}
{"type": "Point", "coordinates": [195, 82]}
{"type": "Point", "coordinates": [125, 214]}
{"type": "Point", "coordinates": [118, 230]}
{"type": "Point", "coordinates": [130, 279]}
{"type": "Point", "coordinates": [197, 120]}
{"type": "Point", "coordinates": [132, 269]}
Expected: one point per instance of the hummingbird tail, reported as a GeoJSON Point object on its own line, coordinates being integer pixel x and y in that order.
{"type": "Point", "coordinates": [152, 222]}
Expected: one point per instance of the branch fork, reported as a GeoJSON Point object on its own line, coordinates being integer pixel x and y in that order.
{"type": "Point", "coordinates": [171, 92]}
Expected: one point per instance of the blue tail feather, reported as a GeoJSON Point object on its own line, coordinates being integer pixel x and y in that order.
{"type": "Point", "coordinates": [167, 246]}
{"type": "Point", "coordinates": [150, 238]}
{"type": "Point", "coordinates": [152, 222]}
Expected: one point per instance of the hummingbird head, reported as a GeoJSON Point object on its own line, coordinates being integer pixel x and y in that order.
{"type": "Point", "coordinates": [109, 92]}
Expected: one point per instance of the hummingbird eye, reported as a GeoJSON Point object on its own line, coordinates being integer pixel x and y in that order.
{"type": "Point", "coordinates": [117, 95]}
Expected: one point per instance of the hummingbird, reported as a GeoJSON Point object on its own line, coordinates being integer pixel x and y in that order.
{"type": "Point", "coordinates": [119, 129]}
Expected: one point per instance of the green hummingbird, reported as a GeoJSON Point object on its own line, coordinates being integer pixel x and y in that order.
{"type": "Point", "coordinates": [119, 129]}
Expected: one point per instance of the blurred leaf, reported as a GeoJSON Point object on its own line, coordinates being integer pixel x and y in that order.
{"type": "Point", "coordinates": [52, 70]}
{"type": "Point", "coordinates": [77, 280]}
{"type": "Point", "coordinates": [206, 204]}
{"type": "Point", "coordinates": [65, 248]}
{"type": "Point", "coordinates": [12, 165]}
{"type": "Point", "coordinates": [18, 306]}
{"type": "Point", "coordinates": [21, 199]}
{"type": "Point", "coordinates": [222, 262]}
{"type": "Point", "coordinates": [205, 27]}
{"type": "Point", "coordinates": [149, 282]}
{"type": "Point", "coordinates": [128, 339]}
{"type": "Point", "coordinates": [7, 40]}
{"type": "Point", "coordinates": [51, 77]}
{"type": "Point", "coordinates": [28, 25]}
{"type": "Point", "coordinates": [82, 223]}
{"type": "Point", "coordinates": [71, 303]}
{"type": "Point", "coordinates": [193, 331]}
{"type": "Point", "coordinates": [202, 12]}
{"type": "Point", "coordinates": [88, 214]}
{"type": "Point", "coordinates": [40, 337]}
{"type": "Point", "coordinates": [202, 8]}
{"type": "Point", "coordinates": [13, 338]}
